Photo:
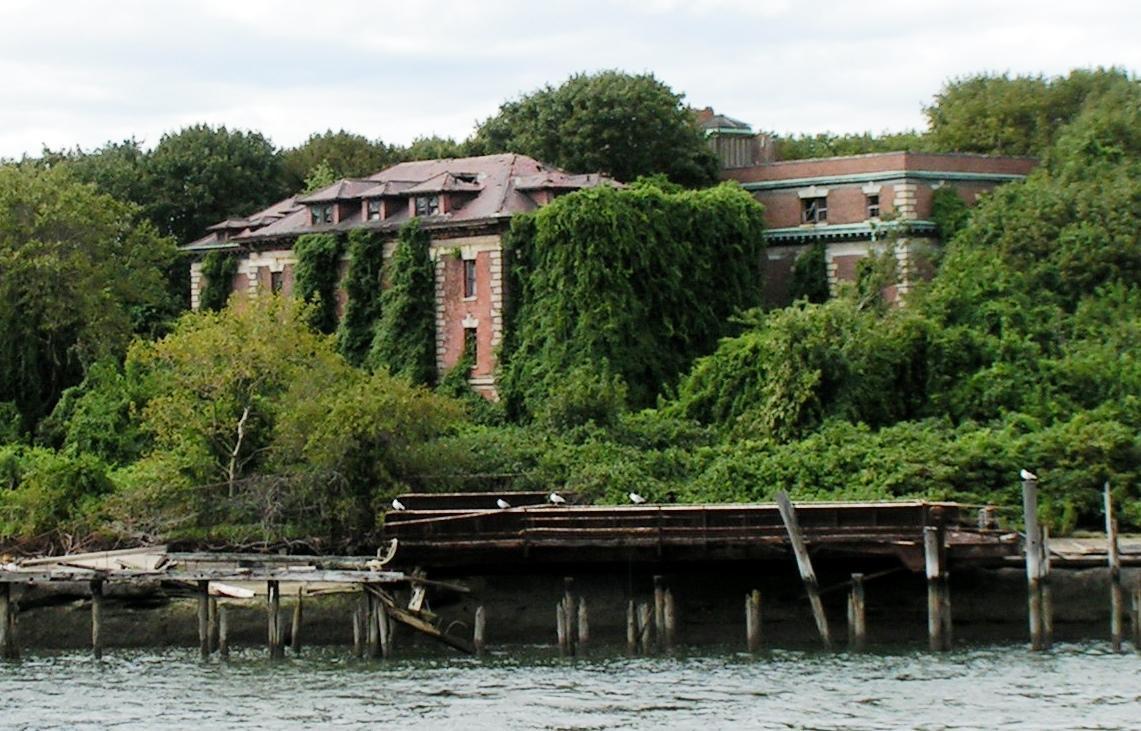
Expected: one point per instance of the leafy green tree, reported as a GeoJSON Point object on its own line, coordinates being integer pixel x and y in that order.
{"type": "Point", "coordinates": [620, 124]}
{"type": "Point", "coordinates": [828, 144]}
{"type": "Point", "coordinates": [810, 275]}
{"type": "Point", "coordinates": [433, 148]}
{"type": "Point", "coordinates": [201, 175]}
{"type": "Point", "coordinates": [405, 342]}
{"type": "Point", "coordinates": [347, 155]}
{"type": "Point", "coordinates": [80, 276]}
{"type": "Point", "coordinates": [119, 169]}
{"type": "Point", "coordinates": [45, 495]}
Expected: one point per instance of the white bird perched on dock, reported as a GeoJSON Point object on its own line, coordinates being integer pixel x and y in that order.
{"type": "Point", "coordinates": [397, 505]}
{"type": "Point", "coordinates": [503, 504]}
{"type": "Point", "coordinates": [1027, 475]}
{"type": "Point", "coordinates": [556, 499]}
{"type": "Point", "coordinates": [636, 498]}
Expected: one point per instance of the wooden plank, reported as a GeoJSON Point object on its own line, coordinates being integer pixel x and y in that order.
{"type": "Point", "coordinates": [1116, 598]}
{"type": "Point", "coordinates": [804, 564]}
{"type": "Point", "coordinates": [419, 623]}
{"type": "Point", "coordinates": [1033, 561]}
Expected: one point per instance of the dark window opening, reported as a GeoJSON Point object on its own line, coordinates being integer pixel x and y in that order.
{"type": "Point", "coordinates": [276, 281]}
{"type": "Point", "coordinates": [874, 206]}
{"type": "Point", "coordinates": [373, 210]}
{"type": "Point", "coordinates": [815, 210]}
{"type": "Point", "coordinates": [320, 214]}
{"type": "Point", "coordinates": [469, 277]}
{"type": "Point", "coordinates": [471, 346]}
{"type": "Point", "coordinates": [427, 205]}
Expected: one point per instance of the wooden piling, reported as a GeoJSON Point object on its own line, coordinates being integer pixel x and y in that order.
{"type": "Point", "coordinates": [1044, 586]}
{"type": "Point", "coordinates": [670, 615]}
{"type": "Point", "coordinates": [937, 603]}
{"type": "Point", "coordinates": [295, 628]}
{"type": "Point", "coordinates": [204, 619]}
{"type": "Point", "coordinates": [561, 626]}
{"type": "Point", "coordinates": [480, 630]}
{"type": "Point", "coordinates": [372, 629]}
{"type": "Point", "coordinates": [570, 614]}
{"type": "Point", "coordinates": [857, 618]}
{"type": "Point", "coordinates": [358, 645]}
{"type": "Point", "coordinates": [645, 628]}
{"type": "Point", "coordinates": [212, 625]}
{"type": "Point", "coordinates": [804, 564]}
{"type": "Point", "coordinates": [659, 610]}
{"type": "Point", "coordinates": [97, 618]}
{"type": "Point", "coordinates": [1033, 562]}
{"type": "Point", "coordinates": [1137, 617]}
{"type": "Point", "coordinates": [223, 631]}
{"type": "Point", "coordinates": [631, 628]}
{"type": "Point", "coordinates": [1116, 600]}
{"type": "Point", "coordinates": [753, 620]}
{"type": "Point", "coordinates": [9, 650]}
{"type": "Point", "coordinates": [273, 620]}
{"type": "Point", "coordinates": [583, 625]}
{"type": "Point", "coordinates": [383, 630]}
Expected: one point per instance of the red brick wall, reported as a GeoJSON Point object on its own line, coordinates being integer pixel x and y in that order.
{"type": "Point", "coordinates": [457, 308]}
{"type": "Point", "coordinates": [883, 162]}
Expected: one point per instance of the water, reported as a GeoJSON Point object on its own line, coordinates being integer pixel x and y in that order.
{"type": "Point", "coordinates": [1075, 686]}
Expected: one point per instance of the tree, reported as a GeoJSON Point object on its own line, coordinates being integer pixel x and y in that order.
{"type": "Point", "coordinates": [347, 155]}
{"type": "Point", "coordinates": [81, 274]}
{"type": "Point", "coordinates": [828, 144]}
{"type": "Point", "coordinates": [433, 148]}
{"type": "Point", "coordinates": [202, 175]}
{"type": "Point", "coordinates": [612, 122]}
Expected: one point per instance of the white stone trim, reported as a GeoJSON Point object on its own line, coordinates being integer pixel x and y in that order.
{"type": "Point", "coordinates": [812, 191]}
{"type": "Point", "coordinates": [872, 189]}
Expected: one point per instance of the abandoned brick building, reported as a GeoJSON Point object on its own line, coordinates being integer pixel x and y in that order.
{"type": "Point", "coordinates": [852, 205]}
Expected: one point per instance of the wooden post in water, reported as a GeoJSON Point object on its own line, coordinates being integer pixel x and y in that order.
{"type": "Point", "coordinates": [1137, 617]}
{"type": "Point", "coordinates": [857, 618]}
{"type": "Point", "coordinates": [670, 615]}
{"type": "Point", "coordinates": [204, 619]}
{"type": "Point", "coordinates": [223, 631]}
{"type": "Point", "coordinates": [1033, 560]}
{"type": "Point", "coordinates": [645, 628]}
{"type": "Point", "coordinates": [479, 631]}
{"type": "Point", "coordinates": [631, 629]}
{"type": "Point", "coordinates": [937, 602]}
{"type": "Point", "coordinates": [804, 563]}
{"type": "Point", "coordinates": [570, 614]}
{"type": "Point", "coordinates": [358, 645]}
{"type": "Point", "coordinates": [295, 629]}
{"type": "Point", "coordinates": [583, 625]}
{"type": "Point", "coordinates": [753, 620]}
{"type": "Point", "coordinates": [212, 625]}
{"type": "Point", "coordinates": [384, 629]}
{"type": "Point", "coordinates": [561, 625]}
{"type": "Point", "coordinates": [97, 618]}
{"type": "Point", "coordinates": [273, 620]}
{"type": "Point", "coordinates": [1116, 600]}
{"type": "Point", "coordinates": [1047, 594]}
{"type": "Point", "coordinates": [372, 629]}
{"type": "Point", "coordinates": [659, 610]}
{"type": "Point", "coordinates": [9, 650]}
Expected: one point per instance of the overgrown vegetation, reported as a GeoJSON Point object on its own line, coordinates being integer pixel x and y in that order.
{"type": "Point", "coordinates": [315, 277]}
{"type": "Point", "coordinates": [218, 270]}
{"type": "Point", "coordinates": [362, 295]}
{"type": "Point", "coordinates": [405, 341]}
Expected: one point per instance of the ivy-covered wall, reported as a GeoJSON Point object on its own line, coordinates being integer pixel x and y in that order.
{"type": "Point", "coordinates": [316, 273]}
{"type": "Point", "coordinates": [633, 282]}
{"type": "Point", "coordinates": [363, 289]}
{"type": "Point", "coordinates": [405, 341]}
{"type": "Point", "coordinates": [218, 270]}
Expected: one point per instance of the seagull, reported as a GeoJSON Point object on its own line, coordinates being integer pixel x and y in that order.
{"type": "Point", "coordinates": [556, 499]}
{"type": "Point", "coordinates": [397, 505]}
{"type": "Point", "coordinates": [1027, 475]}
{"type": "Point", "coordinates": [503, 504]}
{"type": "Point", "coordinates": [636, 498]}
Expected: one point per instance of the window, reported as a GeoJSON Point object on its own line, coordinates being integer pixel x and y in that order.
{"type": "Point", "coordinates": [471, 346]}
{"type": "Point", "coordinates": [373, 209]}
{"type": "Point", "coordinates": [815, 210]}
{"type": "Point", "coordinates": [874, 206]}
{"type": "Point", "coordinates": [276, 281]}
{"type": "Point", "coordinates": [469, 277]}
{"type": "Point", "coordinates": [320, 214]}
{"type": "Point", "coordinates": [427, 205]}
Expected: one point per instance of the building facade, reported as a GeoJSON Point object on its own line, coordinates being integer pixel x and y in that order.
{"type": "Point", "coordinates": [465, 204]}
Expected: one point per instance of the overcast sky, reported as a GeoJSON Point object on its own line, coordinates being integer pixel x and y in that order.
{"type": "Point", "coordinates": [84, 72]}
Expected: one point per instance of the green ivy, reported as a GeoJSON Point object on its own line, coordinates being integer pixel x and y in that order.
{"type": "Point", "coordinates": [405, 341]}
{"type": "Point", "coordinates": [362, 285]}
{"type": "Point", "coordinates": [318, 267]}
{"type": "Point", "coordinates": [640, 278]}
{"type": "Point", "coordinates": [218, 268]}
{"type": "Point", "coordinates": [810, 275]}
{"type": "Point", "coordinates": [949, 212]}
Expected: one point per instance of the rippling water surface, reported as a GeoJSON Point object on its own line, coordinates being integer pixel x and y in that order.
{"type": "Point", "coordinates": [1075, 686]}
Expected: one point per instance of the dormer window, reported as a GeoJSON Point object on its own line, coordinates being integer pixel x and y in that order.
{"type": "Point", "coordinates": [321, 214]}
{"type": "Point", "coordinates": [427, 205]}
{"type": "Point", "coordinates": [814, 210]}
{"type": "Point", "coordinates": [372, 209]}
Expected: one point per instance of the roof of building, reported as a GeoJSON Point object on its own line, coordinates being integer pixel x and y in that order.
{"type": "Point", "coordinates": [711, 121]}
{"type": "Point", "coordinates": [882, 166]}
{"type": "Point", "coordinates": [493, 187]}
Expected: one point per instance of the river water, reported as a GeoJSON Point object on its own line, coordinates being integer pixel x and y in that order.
{"type": "Point", "coordinates": [1074, 686]}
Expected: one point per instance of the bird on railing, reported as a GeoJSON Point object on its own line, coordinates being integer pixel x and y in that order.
{"type": "Point", "coordinates": [1027, 475]}
{"type": "Point", "coordinates": [556, 499]}
{"type": "Point", "coordinates": [636, 498]}
{"type": "Point", "coordinates": [397, 505]}
{"type": "Point", "coordinates": [503, 504]}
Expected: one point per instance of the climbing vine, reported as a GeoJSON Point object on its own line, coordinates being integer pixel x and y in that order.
{"type": "Point", "coordinates": [949, 212]}
{"type": "Point", "coordinates": [362, 285]}
{"type": "Point", "coordinates": [640, 278]}
{"type": "Point", "coordinates": [218, 269]}
{"type": "Point", "coordinates": [405, 341]}
{"type": "Point", "coordinates": [318, 266]}
{"type": "Point", "coordinates": [810, 275]}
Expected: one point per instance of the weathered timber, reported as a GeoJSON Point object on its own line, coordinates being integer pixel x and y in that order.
{"type": "Point", "coordinates": [212, 625]}
{"type": "Point", "coordinates": [371, 627]}
{"type": "Point", "coordinates": [479, 631]}
{"type": "Point", "coordinates": [660, 610]}
{"type": "Point", "coordinates": [645, 628]}
{"type": "Point", "coordinates": [1047, 592]}
{"type": "Point", "coordinates": [203, 597]}
{"type": "Point", "coordinates": [273, 620]}
{"type": "Point", "coordinates": [1137, 617]}
{"type": "Point", "coordinates": [1033, 562]}
{"type": "Point", "coordinates": [561, 627]}
{"type": "Point", "coordinates": [358, 645]}
{"type": "Point", "coordinates": [804, 564]}
{"type": "Point", "coordinates": [670, 616]}
{"type": "Point", "coordinates": [223, 631]}
{"type": "Point", "coordinates": [583, 625]}
{"type": "Point", "coordinates": [569, 613]}
{"type": "Point", "coordinates": [753, 621]}
{"type": "Point", "coordinates": [9, 650]}
{"type": "Point", "coordinates": [937, 601]}
{"type": "Point", "coordinates": [418, 621]}
{"type": "Point", "coordinates": [1116, 599]}
{"type": "Point", "coordinates": [631, 628]}
{"type": "Point", "coordinates": [857, 615]}
{"type": "Point", "coordinates": [383, 630]}
{"type": "Point", "coordinates": [295, 628]}
{"type": "Point", "coordinates": [97, 618]}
